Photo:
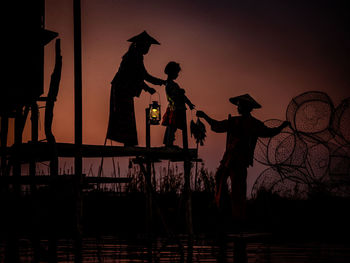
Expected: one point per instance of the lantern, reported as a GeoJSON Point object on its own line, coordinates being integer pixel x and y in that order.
{"type": "Point", "coordinates": [154, 113]}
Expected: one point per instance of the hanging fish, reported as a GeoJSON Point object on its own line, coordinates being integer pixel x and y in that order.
{"type": "Point", "coordinates": [198, 131]}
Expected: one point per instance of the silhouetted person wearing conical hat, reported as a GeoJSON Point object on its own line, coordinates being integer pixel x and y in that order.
{"type": "Point", "coordinates": [242, 134]}
{"type": "Point", "coordinates": [128, 83]}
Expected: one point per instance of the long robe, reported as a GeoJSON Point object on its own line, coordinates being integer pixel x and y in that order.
{"type": "Point", "coordinates": [127, 84]}
{"type": "Point", "coordinates": [242, 135]}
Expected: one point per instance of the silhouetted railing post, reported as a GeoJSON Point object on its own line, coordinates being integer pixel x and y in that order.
{"type": "Point", "coordinates": [78, 130]}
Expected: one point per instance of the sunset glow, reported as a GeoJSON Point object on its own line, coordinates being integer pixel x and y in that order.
{"type": "Point", "coordinates": [273, 50]}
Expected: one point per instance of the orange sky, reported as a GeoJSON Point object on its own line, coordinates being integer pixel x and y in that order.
{"type": "Point", "coordinates": [273, 50]}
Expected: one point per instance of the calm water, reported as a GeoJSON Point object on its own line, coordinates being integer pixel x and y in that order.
{"type": "Point", "coordinates": [110, 249]}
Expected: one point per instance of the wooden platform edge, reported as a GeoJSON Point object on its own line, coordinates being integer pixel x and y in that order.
{"type": "Point", "coordinates": [60, 179]}
{"type": "Point", "coordinates": [42, 151]}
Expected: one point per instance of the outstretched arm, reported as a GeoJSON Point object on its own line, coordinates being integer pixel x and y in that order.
{"type": "Point", "coordinates": [154, 80]}
{"type": "Point", "coordinates": [216, 126]}
{"type": "Point", "coordinates": [265, 131]}
{"type": "Point", "coordinates": [189, 103]}
{"type": "Point", "coordinates": [148, 89]}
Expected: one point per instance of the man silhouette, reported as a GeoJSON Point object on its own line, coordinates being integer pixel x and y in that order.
{"type": "Point", "coordinates": [242, 134]}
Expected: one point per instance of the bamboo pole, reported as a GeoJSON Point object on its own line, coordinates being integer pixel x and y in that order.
{"type": "Point", "coordinates": [147, 174]}
{"type": "Point", "coordinates": [78, 130]}
{"type": "Point", "coordinates": [187, 185]}
{"type": "Point", "coordinates": [35, 135]}
{"type": "Point", "coordinates": [4, 133]}
{"type": "Point", "coordinates": [148, 130]}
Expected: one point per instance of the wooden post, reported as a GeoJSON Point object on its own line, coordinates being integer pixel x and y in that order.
{"type": "Point", "coordinates": [35, 135]}
{"type": "Point", "coordinates": [13, 249]}
{"type": "Point", "coordinates": [78, 133]}
{"type": "Point", "coordinates": [78, 130]}
{"type": "Point", "coordinates": [187, 186]}
{"type": "Point", "coordinates": [35, 121]}
{"type": "Point", "coordinates": [4, 133]}
{"type": "Point", "coordinates": [17, 143]}
{"type": "Point", "coordinates": [32, 173]}
{"type": "Point", "coordinates": [149, 204]}
{"type": "Point", "coordinates": [148, 130]}
{"type": "Point", "coordinates": [50, 103]}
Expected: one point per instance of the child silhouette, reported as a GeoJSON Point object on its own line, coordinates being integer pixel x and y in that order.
{"type": "Point", "coordinates": [175, 115]}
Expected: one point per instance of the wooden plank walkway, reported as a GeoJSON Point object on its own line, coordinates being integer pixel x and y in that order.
{"type": "Point", "coordinates": [41, 151]}
{"type": "Point", "coordinates": [46, 179]}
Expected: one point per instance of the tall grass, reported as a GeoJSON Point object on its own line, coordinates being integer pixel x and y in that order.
{"type": "Point", "coordinates": [168, 178]}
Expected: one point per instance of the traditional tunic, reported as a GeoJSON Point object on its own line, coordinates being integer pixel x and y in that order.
{"type": "Point", "coordinates": [127, 84]}
{"type": "Point", "coordinates": [242, 135]}
{"type": "Point", "coordinates": [176, 105]}
{"type": "Point", "coordinates": [175, 115]}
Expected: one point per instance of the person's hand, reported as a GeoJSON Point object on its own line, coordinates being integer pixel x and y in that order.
{"type": "Point", "coordinates": [151, 90]}
{"type": "Point", "coordinates": [200, 114]}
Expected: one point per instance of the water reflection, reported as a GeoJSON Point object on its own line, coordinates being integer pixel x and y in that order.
{"type": "Point", "coordinates": [237, 249]}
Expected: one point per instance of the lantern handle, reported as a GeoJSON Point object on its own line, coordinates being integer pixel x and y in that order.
{"type": "Point", "coordinates": [150, 97]}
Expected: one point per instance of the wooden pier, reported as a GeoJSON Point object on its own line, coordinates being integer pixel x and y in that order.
{"type": "Point", "coordinates": [50, 151]}
{"type": "Point", "coordinates": [40, 151]}
{"type": "Point", "coordinates": [47, 180]}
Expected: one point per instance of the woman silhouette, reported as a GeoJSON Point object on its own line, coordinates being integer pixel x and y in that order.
{"type": "Point", "coordinates": [128, 83]}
